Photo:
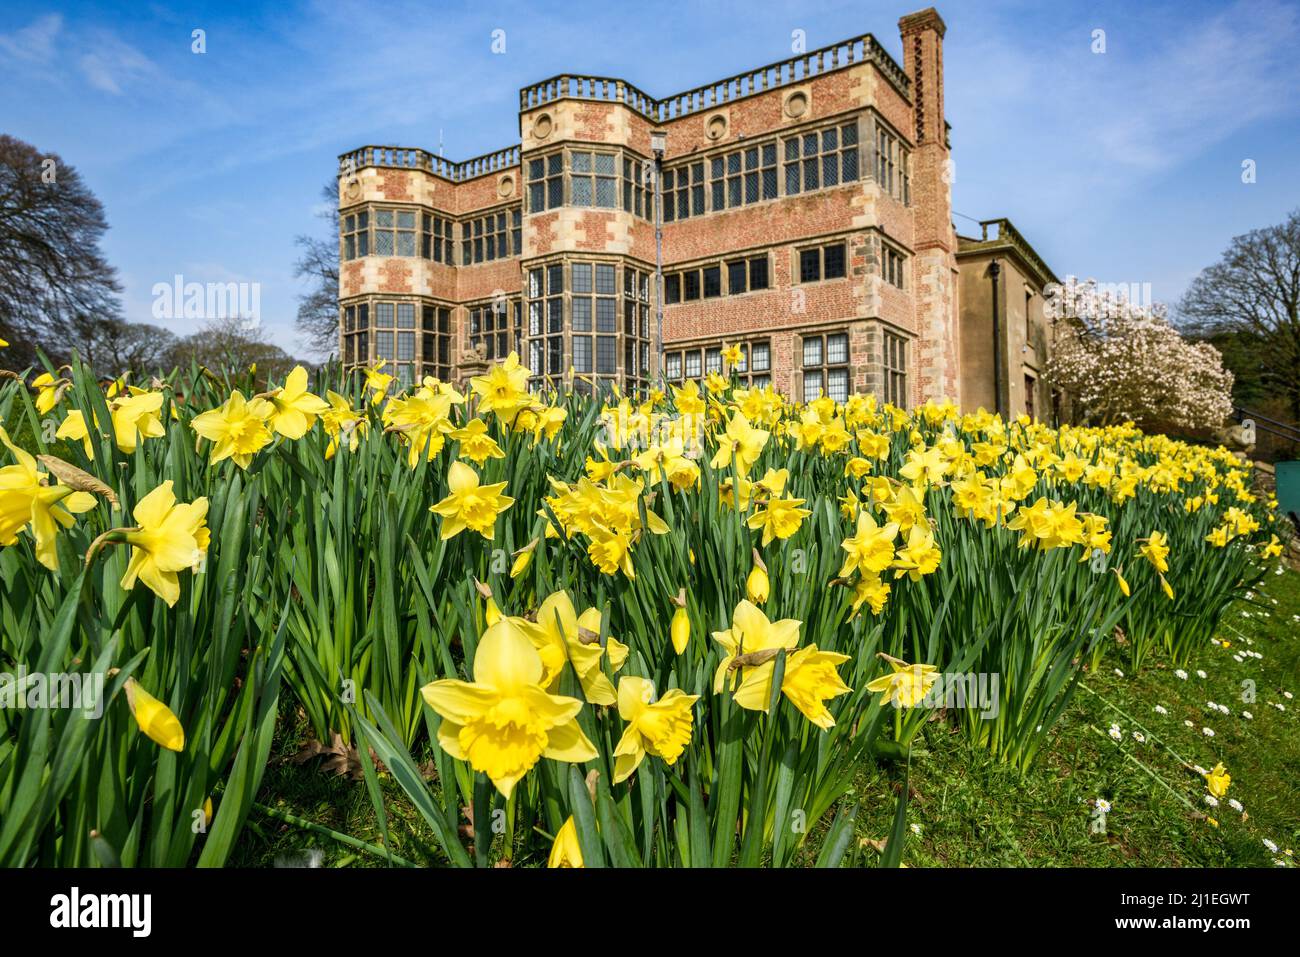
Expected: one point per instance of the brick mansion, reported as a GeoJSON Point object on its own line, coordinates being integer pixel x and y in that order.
{"type": "Point", "coordinates": [804, 212]}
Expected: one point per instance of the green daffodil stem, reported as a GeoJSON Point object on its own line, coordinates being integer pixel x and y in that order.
{"type": "Point", "coordinates": [339, 836]}
{"type": "Point", "coordinates": [114, 536]}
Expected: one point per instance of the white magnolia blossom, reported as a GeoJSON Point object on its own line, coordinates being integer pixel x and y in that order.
{"type": "Point", "coordinates": [1122, 361]}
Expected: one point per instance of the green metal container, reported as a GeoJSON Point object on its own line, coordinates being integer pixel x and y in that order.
{"type": "Point", "coordinates": [1288, 487]}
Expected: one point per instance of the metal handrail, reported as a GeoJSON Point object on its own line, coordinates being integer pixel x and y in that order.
{"type": "Point", "coordinates": [1282, 430]}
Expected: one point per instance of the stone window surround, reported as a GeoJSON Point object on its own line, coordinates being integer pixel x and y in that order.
{"type": "Point", "coordinates": [566, 259]}
{"type": "Point", "coordinates": [873, 360]}
{"type": "Point", "coordinates": [511, 325]}
{"type": "Point", "coordinates": [884, 247]}
{"type": "Point", "coordinates": [422, 366]}
{"type": "Point", "coordinates": [869, 119]}
{"type": "Point", "coordinates": [621, 154]}
{"type": "Point", "coordinates": [821, 245]}
{"type": "Point", "coordinates": [721, 261]}
{"type": "Point", "coordinates": [459, 221]}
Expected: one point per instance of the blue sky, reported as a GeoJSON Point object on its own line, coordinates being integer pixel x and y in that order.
{"type": "Point", "coordinates": [1123, 165]}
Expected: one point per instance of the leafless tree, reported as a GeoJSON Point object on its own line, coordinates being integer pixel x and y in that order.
{"type": "Point", "coordinates": [112, 347]}
{"type": "Point", "coordinates": [229, 343]}
{"type": "Point", "coordinates": [318, 262]}
{"type": "Point", "coordinates": [52, 272]}
{"type": "Point", "coordinates": [1253, 292]}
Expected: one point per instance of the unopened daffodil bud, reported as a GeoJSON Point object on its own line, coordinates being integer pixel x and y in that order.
{"type": "Point", "coordinates": [757, 586]}
{"type": "Point", "coordinates": [155, 718]}
{"type": "Point", "coordinates": [680, 630]}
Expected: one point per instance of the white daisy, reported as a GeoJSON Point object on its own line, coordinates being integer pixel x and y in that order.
{"type": "Point", "coordinates": [1211, 800]}
{"type": "Point", "coordinates": [1180, 674]}
{"type": "Point", "coordinates": [1208, 732]}
{"type": "Point", "coordinates": [1160, 709]}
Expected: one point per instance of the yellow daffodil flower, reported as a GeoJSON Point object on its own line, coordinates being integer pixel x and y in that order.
{"type": "Point", "coordinates": [169, 538]}
{"type": "Point", "coordinates": [661, 728]}
{"type": "Point", "coordinates": [27, 501]}
{"type": "Point", "coordinates": [470, 505]}
{"type": "Point", "coordinates": [504, 721]}
{"type": "Point", "coordinates": [295, 410]}
{"type": "Point", "coordinates": [237, 429]}
{"type": "Point", "coordinates": [871, 548]}
{"type": "Point", "coordinates": [905, 685]}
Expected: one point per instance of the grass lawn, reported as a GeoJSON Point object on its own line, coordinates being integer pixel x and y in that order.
{"type": "Point", "coordinates": [971, 810]}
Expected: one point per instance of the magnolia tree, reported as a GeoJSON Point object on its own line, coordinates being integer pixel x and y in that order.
{"type": "Point", "coordinates": [1120, 360]}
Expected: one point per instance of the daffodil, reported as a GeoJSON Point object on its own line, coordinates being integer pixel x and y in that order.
{"type": "Point", "coordinates": [924, 467]}
{"type": "Point", "coordinates": [872, 591]}
{"type": "Point", "coordinates": [523, 557]}
{"type": "Point", "coordinates": [294, 409]}
{"type": "Point", "coordinates": [757, 586]}
{"type": "Point", "coordinates": [377, 381]}
{"type": "Point", "coordinates": [155, 719]}
{"type": "Point", "coordinates": [73, 428]}
{"type": "Point", "coordinates": [561, 634]}
{"type": "Point", "coordinates": [870, 550]}
{"type": "Point", "coordinates": [1156, 550]}
{"type": "Point", "coordinates": [905, 685]}
{"type": "Point", "coordinates": [504, 390]}
{"type": "Point", "coordinates": [680, 630]}
{"type": "Point", "coordinates": [1123, 585]}
{"type": "Point", "coordinates": [920, 556]}
{"type": "Point", "coordinates": [751, 644]}
{"type": "Point", "coordinates": [237, 429]}
{"type": "Point", "coordinates": [810, 680]}
{"type": "Point", "coordinates": [49, 391]}
{"type": "Point", "coordinates": [136, 416]}
{"type": "Point", "coordinates": [170, 537]}
{"type": "Point", "coordinates": [741, 443]}
{"type": "Point", "coordinates": [566, 851]}
{"type": "Point", "coordinates": [28, 501]}
{"type": "Point", "coordinates": [904, 508]}
{"type": "Point", "coordinates": [778, 518]}
{"type": "Point", "coordinates": [476, 444]}
{"type": "Point", "coordinates": [610, 550]}
{"type": "Point", "coordinates": [1217, 780]}
{"type": "Point", "coordinates": [504, 721]}
{"type": "Point", "coordinates": [661, 728]}
{"type": "Point", "coordinates": [341, 422]}
{"type": "Point", "coordinates": [470, 505]}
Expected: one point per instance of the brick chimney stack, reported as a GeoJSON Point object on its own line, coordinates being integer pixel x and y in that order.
{"type": "Point", "coordinates": [934, 274]}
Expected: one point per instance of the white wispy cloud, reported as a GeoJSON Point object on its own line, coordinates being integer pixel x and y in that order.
{"type": "Point", "coordinates": [110, 64]}
{"type": "Point", "coordinates": [33, 43]}
{"type": "Point", "coordinates": [1042, 119]}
